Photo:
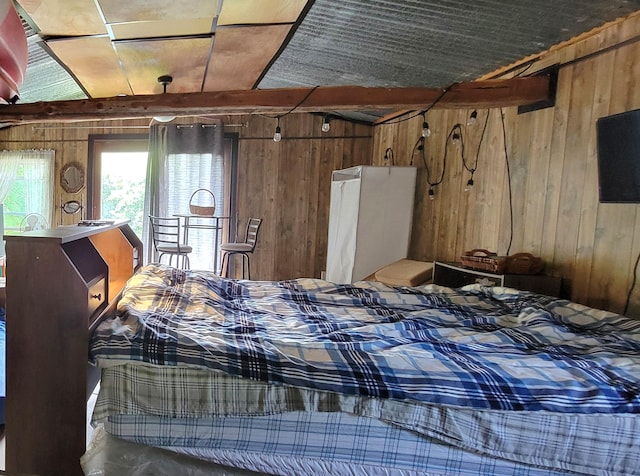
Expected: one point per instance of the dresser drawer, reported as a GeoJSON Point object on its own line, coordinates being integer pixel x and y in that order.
{"type": "Point", "coordinates": [96, 295]}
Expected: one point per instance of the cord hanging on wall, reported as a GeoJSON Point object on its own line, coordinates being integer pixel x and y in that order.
{"type": "Point", "coordinates": [420, 146]}
{"type": "Point", "coordinates": [473, 168]}
{"type": "Point", "coordinates": [456, 137]}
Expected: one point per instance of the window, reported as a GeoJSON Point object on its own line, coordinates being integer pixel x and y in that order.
{"type": "Point", "coordinates": [117, 170]}
{"type": "Point", "coordinates": [27, 178]}
{"type": "Point", "coordinates": [116, 195]}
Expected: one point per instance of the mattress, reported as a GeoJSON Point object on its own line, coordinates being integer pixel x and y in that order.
{"type": "Point", "coordinates": [190, 407]}
{"type": "Point", "coordinates": [311, 443]}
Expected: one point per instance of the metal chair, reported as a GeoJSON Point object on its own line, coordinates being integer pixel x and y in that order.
{"type": "Point", "coordinates": [165, 233]}
{"type": "Point", "coordinates": [244, 248]}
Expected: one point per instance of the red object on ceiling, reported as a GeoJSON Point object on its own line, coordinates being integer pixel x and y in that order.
{"type": "Point", "coordinates": [13, 52]}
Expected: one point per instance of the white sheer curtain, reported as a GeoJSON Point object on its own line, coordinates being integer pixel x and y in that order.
{"type": "Point", "coordinates": [38, 166]}
{"type": "Point", "coordinates": [9, 161]}
{"type": "Point", "coordinates": [8, 169]}
{"type": "Point", "coordinates": [187, 173]}
{"type": "Point", "coordinates": [182, 159]}
{"type": "Point", "coordinates": [34, 169]}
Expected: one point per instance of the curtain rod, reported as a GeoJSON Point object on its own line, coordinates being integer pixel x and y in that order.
{"type": "Point", "coordinates": [42, 128]}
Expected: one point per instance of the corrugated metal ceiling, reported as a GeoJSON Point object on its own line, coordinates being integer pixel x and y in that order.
{"type": "Point", "coordinates": [45, 79]}
{"type": "Point", "coordinates": [428, 43]}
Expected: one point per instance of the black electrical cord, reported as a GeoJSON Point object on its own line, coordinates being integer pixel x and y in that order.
{"type": "Point", "coordinates": [633, 285]}
{"type": "Point", "coordinates": [419, 145]}
{"type": "Point", "coordinates": [475, 165]}
{"type": "Point", "coordinates": [424, 111]}
{"type": "Point", "coordinates": [506, 158]}
{"type": "Point", "coordinates": [460, 137]}
{"type": "Point", "coordinates": [278, 116]}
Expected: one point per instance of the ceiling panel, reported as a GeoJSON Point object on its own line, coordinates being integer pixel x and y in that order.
{"type": "Point", "coordinates": [94, 63]}
{"type": "Point", "coordinates": [184, 59]}
{"type": "Point", "coordinates": [166, 28]}
{"type": "Point", "coordinates": [119, 11]}
{"type": "Point", "coordinates": [64, 17]}
{"type": "Point", "coordinates": [245, 12]}
{"type": "Point", "coordinates": [241, 54]}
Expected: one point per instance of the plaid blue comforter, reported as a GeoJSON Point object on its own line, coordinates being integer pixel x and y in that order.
{"type": "Point", "coordinates": [476, 347]}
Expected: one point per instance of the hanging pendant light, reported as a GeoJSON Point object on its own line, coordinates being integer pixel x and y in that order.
{"type": "Point", "coordinates": [165, 80]}
{"type": "Point", "coordinates": [277, 136]}
{"type": "Point", "coordinates": [326, 127]}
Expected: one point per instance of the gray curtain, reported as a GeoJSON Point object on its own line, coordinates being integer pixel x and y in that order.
{"type": "Point", "coordinates": [154, 183]}
{"type": "Point", "coordinates": [173, 149]}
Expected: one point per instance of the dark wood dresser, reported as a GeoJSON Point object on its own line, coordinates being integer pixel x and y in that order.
{"type": "Point", "coordinates": [59, 283]}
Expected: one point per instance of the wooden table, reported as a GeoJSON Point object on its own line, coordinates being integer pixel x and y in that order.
{"type": "Point", "coordinates": [214, 223]}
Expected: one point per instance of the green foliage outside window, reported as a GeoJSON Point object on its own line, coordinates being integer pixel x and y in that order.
{"type": "Point", "coordinates": [15, 205]}
{"type": "Point", "coordinates": [123, 198]}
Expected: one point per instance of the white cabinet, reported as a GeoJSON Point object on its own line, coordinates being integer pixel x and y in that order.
{"type": "Point", "coordinates": [370, 218]}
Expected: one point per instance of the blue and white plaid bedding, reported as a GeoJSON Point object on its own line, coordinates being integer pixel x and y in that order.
{"type": "Point", "coordinates": [483, 348]}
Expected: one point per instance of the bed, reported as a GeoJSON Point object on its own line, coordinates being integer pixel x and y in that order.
{"type": "Point", "coordinates": [309, 377]}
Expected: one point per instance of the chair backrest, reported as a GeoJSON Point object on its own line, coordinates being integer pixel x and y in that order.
{"type": "Point", "coordinates": [251, 235]}
{"type": "Point", "coordinates": [165, 231]}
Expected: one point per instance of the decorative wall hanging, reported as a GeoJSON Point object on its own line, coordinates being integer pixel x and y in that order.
{"type": "Point", "coordinates": [72, 178]}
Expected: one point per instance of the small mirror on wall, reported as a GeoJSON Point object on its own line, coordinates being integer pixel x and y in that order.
{"type": "Point", "coordinates": [71, 207]}
{"type": "Point", "coordinates": [72, 178]}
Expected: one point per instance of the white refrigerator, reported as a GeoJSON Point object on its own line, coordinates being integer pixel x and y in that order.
{"type": "Point", "coordinates": [371, 212]}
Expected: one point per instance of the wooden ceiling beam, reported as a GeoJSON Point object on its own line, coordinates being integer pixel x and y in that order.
{"type": "Point", "coordinates": [477, 94]}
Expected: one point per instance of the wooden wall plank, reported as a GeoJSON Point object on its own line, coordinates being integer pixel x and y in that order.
{"type": "Point", "coordinates": [584, 264]}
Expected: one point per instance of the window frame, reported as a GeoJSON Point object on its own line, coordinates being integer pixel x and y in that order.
{"type": "Point", "coordinates": [99, 143]}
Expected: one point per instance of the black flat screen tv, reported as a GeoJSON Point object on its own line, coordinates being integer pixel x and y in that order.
{"type": "Point", "coordinates": [618, 139]}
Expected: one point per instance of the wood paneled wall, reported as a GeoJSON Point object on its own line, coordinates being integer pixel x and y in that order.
{"type": "Point", "coordinates": [552, 164]}
{"type": "Point", "coordinates": [286, 183]}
